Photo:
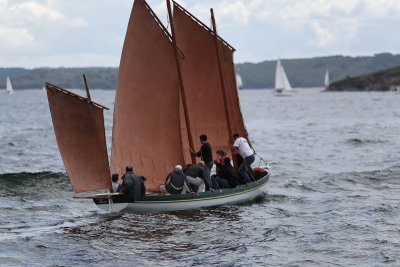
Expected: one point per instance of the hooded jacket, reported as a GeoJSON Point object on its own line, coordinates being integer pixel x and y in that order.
{"type": "Point", "coordinates": [133, 186]}
{"type": "Point", "coordinates": [228, 173]}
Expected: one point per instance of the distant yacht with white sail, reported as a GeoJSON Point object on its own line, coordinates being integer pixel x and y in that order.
{"type": "Point", "coordinates": [326, 79]}
{"type": "Point", "coordinates": [9, 88]}
{"type": "Point", "coordinates": [282, 84]}
{"type": "Point", "coordinates": [239, 82]}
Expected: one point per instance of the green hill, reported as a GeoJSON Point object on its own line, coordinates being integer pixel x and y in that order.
{"type": "Point", "coordinates": [310, 72]}
{"type": "Point", "coordinates": [98, 78]}
{"type": "Point", "coordinates": [307, 72]}
{"type": "Point", "coordinates": [4, 72]}
{"type": "Point", "coordinates": [384, 80]}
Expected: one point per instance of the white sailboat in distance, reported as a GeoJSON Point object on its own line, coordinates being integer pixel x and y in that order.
{"type": "Point", "coordinates": [9, 88]}
{"type": "Point", "coordinates": [282, 84]}
{"type": "Point", "coordinates": [239, 82]}
{"type": "Point", "coordinates": [326, 79]}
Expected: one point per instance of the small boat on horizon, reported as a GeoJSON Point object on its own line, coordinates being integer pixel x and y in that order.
{"type": "Point", "coordinates": [282, 84]}
{"type": "Point", "coordinates": [153, 123]}
{"type": "Point", "coordinates": [239, 82]}
{"type": "Point", "coordinates": [326, 80]}
{"type": "Point", "coordinates": [9, 88]}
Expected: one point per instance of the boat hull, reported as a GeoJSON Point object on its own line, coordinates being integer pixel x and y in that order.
{"type": "Point", "coordinates": [156, 204]}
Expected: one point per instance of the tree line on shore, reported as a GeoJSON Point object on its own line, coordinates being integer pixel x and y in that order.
{"type": "Point", "coordinates": [307, 72]}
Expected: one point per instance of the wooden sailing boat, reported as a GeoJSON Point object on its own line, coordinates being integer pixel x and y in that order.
{"type": "Point", "coordinates": [153, 125]}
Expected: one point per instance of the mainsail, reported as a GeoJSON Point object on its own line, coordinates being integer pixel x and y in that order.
{"type": "Point", "coordinates": [203, 82]}
{"type": "Point", "coordinates": [146, 130]}
{"type": "Point", "coordinates": [79, 128]}
{"type": "Point", "coordinates": [326, 80]}
{"type": "Point", "coordinates": [281, 80]}
{"type": "Point", "coordinates": [237, 122]}
{"type": "Point", "coordinates": [239, 82]}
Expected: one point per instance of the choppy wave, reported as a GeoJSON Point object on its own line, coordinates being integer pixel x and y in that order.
{"type": "Point", "coordinates": [374, 178]}
{"type": "Point", "coordinates": [333, 194]}
{"type": "Point", "coordinates": [357, 141]}
{"type": "Point", "coordinates": [34, 184]}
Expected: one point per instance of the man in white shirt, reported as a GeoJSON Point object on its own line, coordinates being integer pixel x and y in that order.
{"type": "Point", "coordinates": [241, 146]}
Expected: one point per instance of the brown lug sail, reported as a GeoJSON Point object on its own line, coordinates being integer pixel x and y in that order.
{"type": "Point", "coordinates": [203, 82]}
{"type": "Point", "coordinates": [146, 130]}
{"type": "Point", "coordinates": [237, 122]}
{"type": "Point", "coordinates": [79, 128]}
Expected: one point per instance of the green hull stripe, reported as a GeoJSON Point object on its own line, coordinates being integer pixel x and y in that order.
{"type": "Point", "coordinates": [204, 198]}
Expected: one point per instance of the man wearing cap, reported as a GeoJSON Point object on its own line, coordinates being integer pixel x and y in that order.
{"type": "Point", "coordinates": [176, 182]}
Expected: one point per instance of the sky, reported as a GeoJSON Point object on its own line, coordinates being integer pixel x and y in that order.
{"type": "Point", "coordinates": [81, 33]}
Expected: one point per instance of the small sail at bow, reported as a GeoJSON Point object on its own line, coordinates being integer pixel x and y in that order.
{"type": "Point", "coordinates": [79, 128]}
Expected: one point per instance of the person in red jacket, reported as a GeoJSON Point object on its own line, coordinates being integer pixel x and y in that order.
{"type": "Point", "coordinates": [221, 156]}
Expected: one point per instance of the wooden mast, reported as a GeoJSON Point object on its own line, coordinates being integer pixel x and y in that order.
{"type": "Point", "coordinates": [90, 99]}
{"type": "Point", "coordinates": [182, 89]}
{"type": "Point", "coordinates": [87, 87]}
{"type": "Point", "coordinates": [223, 85]}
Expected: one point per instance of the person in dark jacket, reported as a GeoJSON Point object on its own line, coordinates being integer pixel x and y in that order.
{"type": "Point", "coordinates": [226, 177]}
{"type": "Point", "coordinates": [176, 182]}
{"type": "Point", "coordinates": [221, 156]}
{"type": "Point", "coordinates": [132, 185]}
{"type": "Point", "coordinates": [206, 155]}
{"type": "Point", "coordinates": [196, 176]}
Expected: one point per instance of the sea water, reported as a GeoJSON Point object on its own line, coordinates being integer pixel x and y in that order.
{"type": "Point", "coordinates": [333, 193]}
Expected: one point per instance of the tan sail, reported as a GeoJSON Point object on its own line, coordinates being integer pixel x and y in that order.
{"type": "Point", "coordinates": [79, 128]}
{"type": "Point", "coordinates": [237, 122]}
{"type": "Point", "coordinates": [146, 130]}
{"type": "Point", "coordinates": [202, 82]}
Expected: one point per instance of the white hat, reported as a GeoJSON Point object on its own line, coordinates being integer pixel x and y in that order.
{"type": "Point", "coordinates": [178, 167]}
{"type": "Point", "coordinates": [202, 163]}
